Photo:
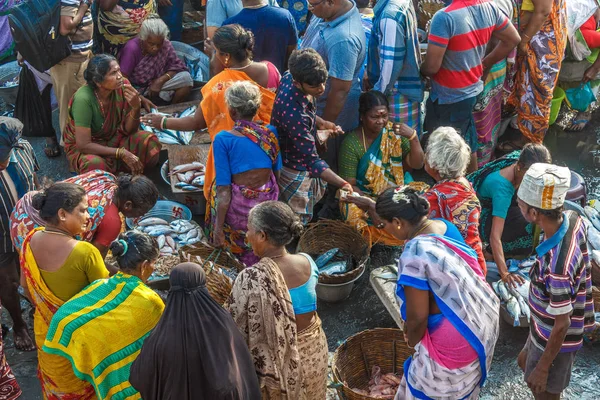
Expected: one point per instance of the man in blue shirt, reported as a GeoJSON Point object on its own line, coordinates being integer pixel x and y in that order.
{"type": "Point", "coordinates": [217, 11]}
{"type": "Point", "coordinates": [274, 31]}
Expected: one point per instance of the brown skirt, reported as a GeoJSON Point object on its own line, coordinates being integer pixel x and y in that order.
{"type": "Point", "coordinates": [312, 346]}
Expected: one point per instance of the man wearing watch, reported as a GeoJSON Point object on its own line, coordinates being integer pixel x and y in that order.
{"type": "Point", "coordinates": [67, 76]}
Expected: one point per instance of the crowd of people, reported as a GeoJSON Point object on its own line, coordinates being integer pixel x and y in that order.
{"type": "Point", "coordinates": [315, 109]}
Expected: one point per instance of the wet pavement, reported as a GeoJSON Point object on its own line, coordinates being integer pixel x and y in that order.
{"type": "Point", "coordinates": [363, 310]}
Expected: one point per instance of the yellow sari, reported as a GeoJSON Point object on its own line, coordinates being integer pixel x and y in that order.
{"type": "Point", "coordinates": [216, 116]}
{"type": "Point", "coordinates": [54, 372]}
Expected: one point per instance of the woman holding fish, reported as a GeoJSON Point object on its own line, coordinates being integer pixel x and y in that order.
{"type": "Point", "coordinates": [496, 185]}
{"type": "Point", "coordinates": [233, 51]}
{"type": "Point", "coordinates": [246, 161]}
{"type": "Point", "coordinates": [55, 267]}
{"type": "Point", "coordinates": [108, 197]}
{"type": "Point", "coordinates": [372, 158]}
{"type": "Point", "coordinates": [102, 129]}
{"type": "Point", "coordinates": [450, 312]}
{"type": "Point", "coordinates": [274, 304]}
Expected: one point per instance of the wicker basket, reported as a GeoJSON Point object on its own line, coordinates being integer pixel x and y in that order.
{"type": "Point", "coordinates": [427, 8]}
{"type": "Point", "coordinates": [595, 274]}
{"type": "Point", "coordinates": [328, 234]}
{"type": "Point", "coordinates": [220, 267]}
{"type": "Point", "coordinates": [596, 298]}
{"type": "Point", "coordinates": [354, 359]}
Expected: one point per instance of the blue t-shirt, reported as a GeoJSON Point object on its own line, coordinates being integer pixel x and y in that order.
{"type": "Point", "coordinates": [236, 154]}
{"type": "Point", "coordinates": [500, 191]}
{"type": "Point", "coordinates": [217, 11]}
{"type": "Point", "coordinates": [274, 31]}
{"type": "Point", "coordinates": [342, 44]}
{"type": "Point", "coordinates": [452, 231]}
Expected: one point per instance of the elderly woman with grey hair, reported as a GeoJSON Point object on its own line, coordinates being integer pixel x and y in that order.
{"type": "Point", "coordinates": [453, 197]}
{"type": "Point", "coordinates": [152, 66]}
{"type": "Point", "coordinates": [246, 161]}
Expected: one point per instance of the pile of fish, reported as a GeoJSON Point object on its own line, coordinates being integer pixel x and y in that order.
{"type": "Point", "coordinates": [170, 236]}
{"type": "Point", "coordinates": [515, 299]}
{"type": "Point", "coordinates": [592, 218]}
{"type": "Point", "coordinates": [381, 386]}
{"type": "Point", "coordinates": [334, 262]}
{"type": "Point", "coordinates": [169, 136]}
{"type": "Point", "coordinates": [190, 177]}
{"type": "Point", "coordinates": [10, 83]}
{"type": "Point", "coordinates": [194, 65]}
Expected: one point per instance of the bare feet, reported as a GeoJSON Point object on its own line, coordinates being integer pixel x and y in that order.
{"type": "Point", "coordinates": [23, 341]}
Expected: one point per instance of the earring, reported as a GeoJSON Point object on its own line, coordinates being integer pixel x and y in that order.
{"type": "Point", "coordinates": [62, 219]}
{"type": "Point", "coordinates": [227, 61]}
{"type": "Point", "coordinates": [398, 227]}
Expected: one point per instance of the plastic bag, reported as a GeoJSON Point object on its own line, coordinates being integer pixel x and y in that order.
{"type": "Point", "coordinates": [580, 97]}
{"type": "Point", "coordinates": [33, 108]}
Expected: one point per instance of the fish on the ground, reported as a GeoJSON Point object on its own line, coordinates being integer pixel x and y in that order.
{"type": "Point", "coordinates": [152, 221]}
{"type": "Point", "coordinates": [514, 310]}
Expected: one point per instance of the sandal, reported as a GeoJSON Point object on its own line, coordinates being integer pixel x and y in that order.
{"type": "Point", "coordinates": [52, 150]}
{"type": "Point", "coordinates": [509, 146]}
{"type": "Point", "coordinates": [579, 123]}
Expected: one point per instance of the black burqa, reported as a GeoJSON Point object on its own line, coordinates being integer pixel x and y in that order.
{"type": "Point", "coordinates": [196, 350]}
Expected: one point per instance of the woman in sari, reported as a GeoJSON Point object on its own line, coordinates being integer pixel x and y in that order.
{"type": "Point", "coordinates": [116, 22]}
{"type": "Point", "coordinates": [274, 304]}
{"type": "Point", "coordinates": [108, 197]}
{"type": "Point", "coordinates": [103, 125]}
{"type": "Point", "coordinates": [100, 331]}
{"type": "Point", "coordinates": [153, 67]}
{"type": "Point", "coordinates": [55, 267]}
{"type": "Point", "coordinates": [196, 351]}
{"type": "Point", "coordinates": [373, 158]}
{"type": "Point", "coordinates": [452, 326]}
{"type": "Point", "coordinates": [452, 197]}
{"type": "Point", "coordinates": [539, 59]}
{"type": "Point", "coordinates": [496, 186]}
{"type": "Point", "coordinates": [233, 50]}
{"type": "Point", "coordinates": [246, 159]}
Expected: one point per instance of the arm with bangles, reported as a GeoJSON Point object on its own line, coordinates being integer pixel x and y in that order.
{"type": "Point", "coordinates": [192, 123]}
{"type": "Point", "coordinates": [223, 202]}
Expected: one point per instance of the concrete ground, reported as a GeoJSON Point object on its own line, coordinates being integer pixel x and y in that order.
{"type": "Point", "coordinates": [363, 309]}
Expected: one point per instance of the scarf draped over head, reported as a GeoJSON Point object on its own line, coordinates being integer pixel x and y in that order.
{"type": "Point", "coordinates": [194, 327]}
{"type": "Point", "coordinates": [10, 133]}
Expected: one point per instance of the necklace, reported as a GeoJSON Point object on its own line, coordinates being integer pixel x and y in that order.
{"type": "Point", "coordinates": [241, 68]}
{"type": "Point", "coordinates": [100, 104]}
{"type": "Point", "coordinates": [285, 253]}
{"type": "Point", "coordinates": [364, 138]}
{"type": "Point", "coordinates": [256, 6]}
{"type": "Point", "coordinates": [425, 225]}
{"type": "Point", "coordinates": [57, 232]}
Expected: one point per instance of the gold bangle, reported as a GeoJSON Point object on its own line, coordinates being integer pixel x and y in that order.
{"type": "Point", "coordinates": [117, 153]}
{"type": "Point", "coordinates": [413, 135]}
{"type": "Point", "coordinates": [170, 77]}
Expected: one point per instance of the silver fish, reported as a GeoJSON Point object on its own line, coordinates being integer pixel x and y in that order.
{"type": "Point", "coordinates": [171, 242]}
{"type": "Point", "coordinates": [191, 241]}
{"type": "Point", "coordinates": [181, 177]}
{"type": "Point", "coordinates": [503, 291]}
{"type": "Point", "coordinates": [152, 221]}
{"type": "Point", "coordinates": [198, 181]}
{"type": "Point", "coordinates": [161, 241]}
{"type": "Point", "coordinates": [160, 230]}
{"type": "Point", "coordinates": [514, 310]}
{"type": "Point", "coordinates": [186, 186]}
{"type": "Point", "coordinates": [593, 215]}
{"type": "Point", "coordinates": [188, 176]}
{"type": "Point", "coordinates": [194, 233]}
{"type": "Point", "coordinates": [338, 267]}
{"type": "Point", "coordinates": [324, 258]}
{"type": "Point", "coordinates": [188, 167]}
{"type": "Point", "coordinates": [524, 308]}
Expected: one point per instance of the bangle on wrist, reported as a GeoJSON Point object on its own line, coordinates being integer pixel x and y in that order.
{"type": "Point", "coordinates": [414, 135]}
{"type": "Point", "coordinates": [118, 153]}
{"type": "Point", "coordinates": [169, 76]}
{"type": "Point", "coordinates": [163, 123]}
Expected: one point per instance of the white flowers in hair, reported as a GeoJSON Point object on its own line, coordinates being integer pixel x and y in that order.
{"type": "Point", "coordinates": [399, 195]}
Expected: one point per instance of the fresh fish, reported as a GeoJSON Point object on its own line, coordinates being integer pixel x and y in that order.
{"type": "Point", "coordinates": [194, 233]}
{"type": "Point", "coordinates": [495, 287]}
{"type": "Point", "coordinates": [514, 310]}
{"type": "Point", "coordinates": [188, 167]}
{"type": "Point", "coordinates": [152, 221]}
{"type": "Point", "coordinates": [523, 290]}
{"type": "Point", "coordinates": [191, 241]}
{"type": "Point", "coordinates": [161, 241]}
{"type": "Point", "coordinates": [181, 177]}
{"type": "Point", "coordinates": [186, 186]}
{"type": "Point", "coordinates": [338, 267]}
{"type": "Point", "coordinates": [593, 215]}
{"type": "Point", "coordinates": [524, 308]}
{"type": "Point", "coordinates": [198, 181]}
{"type": "Point", "coordinates": [182, 226]}
{"type": "Point", "coordinates": [593, 237]}
{"type": "Point", "coordinates": [503, 291]}
{"type": "Point", "coordinates": [188, 176]}
{"type": "Point", "coordinates": [188, 111]}
{"type": "Point", "coordinates": [160, 230]}
{"type": "Point", "coordinates": [323, 259]}
{"type": "Point", "coordinates": [171, 242]}
{"type": "Point", "coordinates": [596, 256]}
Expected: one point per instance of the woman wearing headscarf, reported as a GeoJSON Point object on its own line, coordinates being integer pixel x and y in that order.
{"type": "Point", "coordinates": [196, 350]}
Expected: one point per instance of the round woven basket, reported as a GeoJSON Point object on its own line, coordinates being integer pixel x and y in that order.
{"type": "Point", "coordinates": [596, 298]}
{"type": "Point", "coordinates": [427, 8]}
{"type": "Point", "coordinates": [325, 235]}
{"type": "Point", "coordinates": [595, 274]}
{"type": "Point", "coordinates": [220, 267]}
{"type": "Point", "coordinates": [354, 359]}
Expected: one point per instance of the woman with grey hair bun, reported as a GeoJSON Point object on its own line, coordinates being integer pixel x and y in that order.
{"type": "Point", "coordinates": [152, 66]}
{"type": "Point", "coordinates": [452, 197]}
{"type": "Point", "coordinates": [246, 161]}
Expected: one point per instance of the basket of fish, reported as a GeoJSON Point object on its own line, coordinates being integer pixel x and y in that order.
{"type": "Point", "coordinates": [169, 136]}
{"type": "Point", "coordinates": [369, 365]}
{"type": "Point", "coordinates": [339, 250]}
{"type": "Point", "coordinates": [9, 82]}
{"type": "Point", "coordinates": [163, 209]}
{"type": "Point", "coordinates": [221, 268]}
{"type": "Point", "coordinates": [188, 177]}
{"type": "Point", "coordinates": [514, 306]}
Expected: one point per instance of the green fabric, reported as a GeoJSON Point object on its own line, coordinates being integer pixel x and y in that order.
{"type": "Point", "coordinates": [500, 191]}
{"type": "Point", "coordinates": [86, 110]}
{"type": "Point", "coordinates": [353, 150]}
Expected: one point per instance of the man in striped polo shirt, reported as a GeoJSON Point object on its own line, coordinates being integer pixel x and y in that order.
{"type": "Point", "coordinates": [560, 294]}
{"type": "Point", "coordinates": [17, 177]}
{"type": "Point", "coordinates": [457, 63]}
{"type": "Point", "coordinates": [67, 76]}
